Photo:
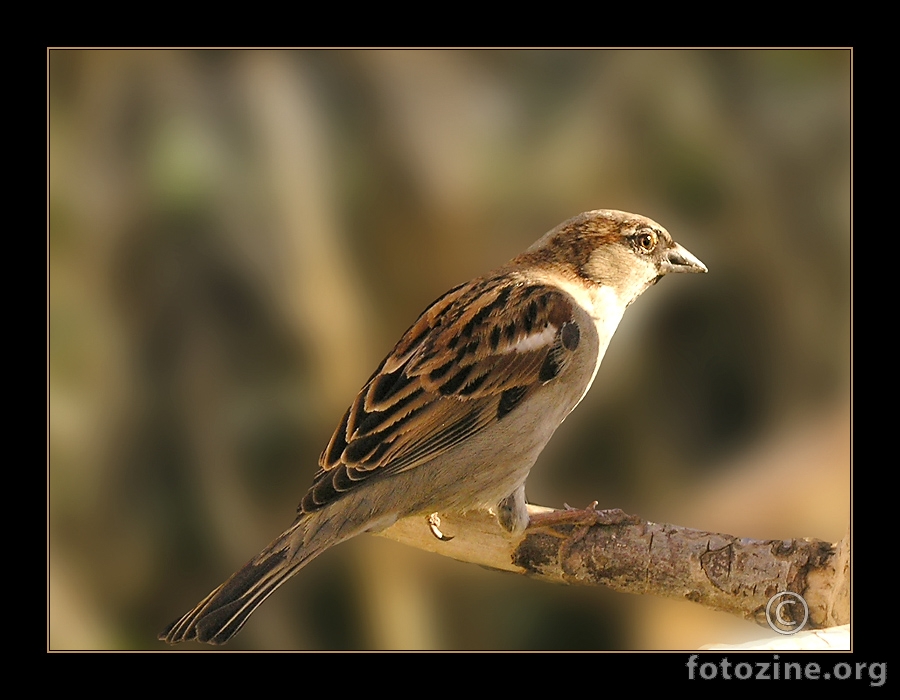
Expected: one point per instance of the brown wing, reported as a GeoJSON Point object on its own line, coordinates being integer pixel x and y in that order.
{"type": "Point", "coordinates": [466, 362]}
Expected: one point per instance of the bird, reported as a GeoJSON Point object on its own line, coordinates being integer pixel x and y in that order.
{"type": "Point", "coordinates": [455, 416]}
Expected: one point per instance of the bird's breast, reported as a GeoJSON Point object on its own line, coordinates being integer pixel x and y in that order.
{"type": "Point", "coordinates": [598, 311]}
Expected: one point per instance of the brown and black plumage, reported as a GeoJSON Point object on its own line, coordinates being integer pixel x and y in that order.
{"type": "Point", "coordinates": [456, 414]}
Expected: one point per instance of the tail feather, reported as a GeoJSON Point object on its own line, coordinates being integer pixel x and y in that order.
{"type": "Point", "coordinates": [219, 616]}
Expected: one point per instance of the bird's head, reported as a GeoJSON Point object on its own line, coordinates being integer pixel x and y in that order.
{"type": "Point", "coordinates": [614, 249]}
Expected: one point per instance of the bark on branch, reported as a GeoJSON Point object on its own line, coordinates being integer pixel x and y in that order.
{"type": "Point", "coordinates": [623, 552]}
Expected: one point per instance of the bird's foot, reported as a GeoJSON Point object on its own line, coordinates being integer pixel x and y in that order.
{"type": "Point", "coordinates": [584, 516]}
{"type": "Point", "coordinates": [512, 513]}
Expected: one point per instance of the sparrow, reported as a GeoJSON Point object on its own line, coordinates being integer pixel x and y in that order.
{"type": "Point", "coordinates": [456, 415]}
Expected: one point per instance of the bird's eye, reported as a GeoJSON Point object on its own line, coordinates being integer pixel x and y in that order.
{"type": "Point", "coordinates": [646, 241]}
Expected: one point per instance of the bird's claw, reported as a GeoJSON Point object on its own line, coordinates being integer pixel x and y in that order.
{"type": "Point", "coordinates": [434, 524]}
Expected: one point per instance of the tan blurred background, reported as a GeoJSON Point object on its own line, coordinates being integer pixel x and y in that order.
{"type": "Point", "coordinates": [238, 237]}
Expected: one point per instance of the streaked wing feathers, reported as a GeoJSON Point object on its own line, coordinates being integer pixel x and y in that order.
{"type": "Point", "coordinates": [470, 359]}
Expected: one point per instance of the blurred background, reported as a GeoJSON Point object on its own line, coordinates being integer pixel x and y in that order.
{"type": "Point", "coordinates": [237, 238]}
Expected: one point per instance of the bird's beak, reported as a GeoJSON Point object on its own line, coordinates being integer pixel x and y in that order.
{"type": "Point", "coordinates": [678, 259]}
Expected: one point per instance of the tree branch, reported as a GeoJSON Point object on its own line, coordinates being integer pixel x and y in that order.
{"type": "Point", "coordinates": [625, 553]}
